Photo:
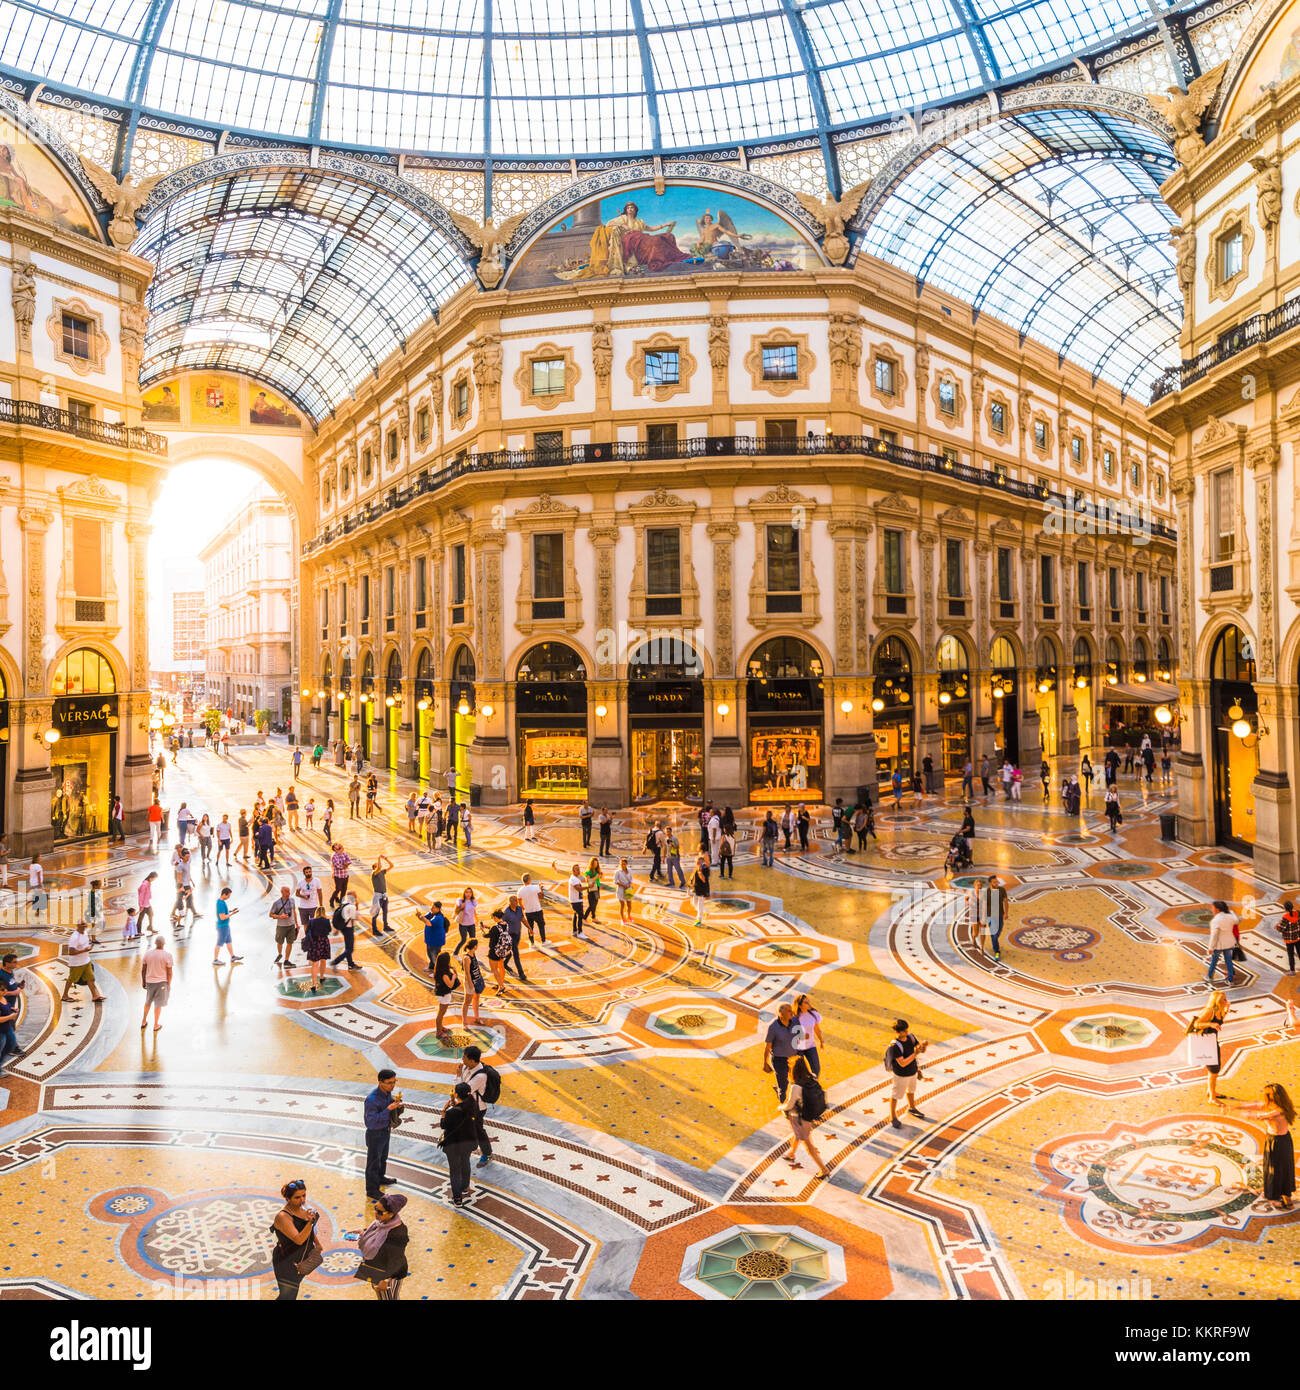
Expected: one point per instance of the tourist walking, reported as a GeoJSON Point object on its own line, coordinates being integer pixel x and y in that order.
{"type": "Point", "coordinates": [995, 914]}
{"type": "Point", "coordinates": [485, 1087]}
{"type": "Point", "coordinates": [344, 922]}
{"type": "Point", "coordinates": [605, 828]}
{"type": "Point", "coordinates": [585, 815]}
{"type": "Point", "coordinates": [767, 842]}
{"type": "Point", "coordinates": [466, 914]}
{"type": "Point", "coordinates": [379, 894]}
{"type": "Point", "coordinates": [1278, 1113]}
{"type": "Point", "coordinates": [654, 843]}
{"type": "Point", "coordinates": [473, 987]}
{"type": "Point", "coordinates": [340, 862]}
{"type": "Point", "coordinates": [1113, 813]}
{"type": "Point", "coordinates": [498, 947]}
{"type": "Point", "coordinates": [282, 914]}
{"type": "Point", "coordinates": [1289, 929]}
{"type": "Point", "coordinates": [700, 888]}
{"type": "Point", "coordinates": [383, 1249]}
{"type": "Point", "coordinates": [115, 829]}
{"type": "Point", "coordinates": [968, 780]}
{"type": "Point", "coordinates": [803, 820]}
{"type": "Point", "coordinates": [902, 1060]}
{"type": "Point", "coordinates": [727, 855]}
{"type": "Point", "coordinates": [224, 913]}
{"type": "Point", "coordinates": [297, 1247]}
{"type": "Point", "coordinates": [155, 825]}
{"type": "Point", "coordinates": [779, 1049]}
{"type": "Point", "coordinates": [530, 821]}
{"type": "Point", "coordinates": [591, 884]}
{"type": "Point", "coordinates": [530, 899]}
{"type": "Point", "coordinates": [308, 892]}
{"type": "Point", "coordinates": [807, 1032]}
{"type": "Point", "coordinates": [805, 1106]}
{"type": "Point", "coordinates": [985, 769]}
{"type": "Point", "coordinates": [1203, 1041]}
{"type": "Point", "coordinates": [382, 1105]}
{"type": "Point", "coordinates": [576, 886]}
{"type": "Point", "coordinates": [156, 968]}
{"type": "Point", "coordinates": [457, 1123]}
{"type": "Point", "coordinates": [445, 984]}
{"type": "Point", "coordinates": [673, 857]}
{"type": "Point", "coordinates": [467, 825]}
{"type": "Point", "coordinates": [80, 970]}
{"type": "Point", "coordinates": [224, 835]}
{"type": "Point", "coordinates": [204, 833]}
{"type": "Point", "coordinates": [513, 916]}
{"type": "Point", "coordinates": [144, 900]}
{"type": "Point", "coordinates": [316, 947]}
{"type": "Point", "coordinates": [623, 892]}
{"type": "Point", "coordinates": [1223, 941]}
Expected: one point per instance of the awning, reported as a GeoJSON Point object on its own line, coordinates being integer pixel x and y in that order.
{"type": "Point", "coordinates": [1138, 693]}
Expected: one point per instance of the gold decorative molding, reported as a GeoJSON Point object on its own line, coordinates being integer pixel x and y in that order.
{"type": "Point", "coordinates": [780, 337]}
{"type": "Point", "coordinates": [686, 365]}
{"type": "Point", "coordinates": [455, 422]}
{"type": "Point", "coordinates": [1224, 288]}
{"type": "Point", "coordinates": [523, 378]}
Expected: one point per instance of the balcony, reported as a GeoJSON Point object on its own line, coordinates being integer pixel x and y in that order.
{"type": "Point", "coordinates": [50, 417]}
{"type": "Point", "coordinates": [1259, 328]}
{"type": "Point", "coordinates": [709, 446]}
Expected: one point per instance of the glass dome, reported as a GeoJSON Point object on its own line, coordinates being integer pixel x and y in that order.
{"type": "Point", "coordinates": [546, 78]}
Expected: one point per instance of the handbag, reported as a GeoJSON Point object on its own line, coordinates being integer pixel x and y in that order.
{"type": "Point", "coordinates": [1238, 953]}
{"type": "Point", "coordinates": [312, 1260]}
{"type": "Point", "coordinates": [1203, 1049]}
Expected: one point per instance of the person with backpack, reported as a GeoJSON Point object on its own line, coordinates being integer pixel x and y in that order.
{"type": "Point", "coordinates": [673, 856]}
{"type": "Point", "coordinates": [457, 1142]}
{"type": "Point", "coordinates": [902, 1061]}
{"type": "Point", "coordinates": [654, 848]}
{"type": "Point", "coordinates": [485, 1086]}
{"type": "Point", "coordinates": [345, 923]}
{"type": "Point", "coordinates": [1289, 927]}
{"type": "Point", "coordinates": [767, 841]}
{"type": "Point", "coordinates": [805, 1106]}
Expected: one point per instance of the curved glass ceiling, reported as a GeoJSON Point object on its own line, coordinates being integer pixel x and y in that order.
{"type": "Point", "coordinates": [303, 279]}
{"type": "Point", "coordinates": [1051, 221]}
{"type": "Point", "coordinates": [535, 78]}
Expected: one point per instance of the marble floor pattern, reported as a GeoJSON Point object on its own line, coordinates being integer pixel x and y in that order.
{"type": "Point", "coordinates": [639, 1149]}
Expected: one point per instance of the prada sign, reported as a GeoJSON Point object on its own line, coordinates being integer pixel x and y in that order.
{"type": "Point", "coordinates": [538, 697]}
{"type": "Point", "coordinates": [784, 695]}
{"type": "Point", "coordinates": [665, 697]}
{"type": "Point", "coordinates": [85, 714]}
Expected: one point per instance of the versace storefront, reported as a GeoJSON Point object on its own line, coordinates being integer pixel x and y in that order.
{"type": "Point", "coordinates": [83, 745]}
{"type": "Point", "coordinates": [551, 723]}
{"type": "Point", "coordinates": [784, 704]}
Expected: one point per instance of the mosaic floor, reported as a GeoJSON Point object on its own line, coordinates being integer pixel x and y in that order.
{"type": "Point", "coordinates": [639, 1146]}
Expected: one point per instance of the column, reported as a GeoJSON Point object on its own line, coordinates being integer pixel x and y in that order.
{"type": "Point", "coordinates": [608, 775]}
{"type": "Point", "coordinates": [1193, 765]}
{"type": "Point", "coordinates": [136, 790]}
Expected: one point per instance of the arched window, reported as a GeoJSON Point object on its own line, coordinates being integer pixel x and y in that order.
{"type": "Point", "coordinates": [665, 658]}
{"type": "Point", "coordinates": [394, 672]}
{"type": "Point", "coordinates": [1140, 662]}
{"type": "Point", "coordinates": [1114, 662]}
{"type": "Point", "coordinates": [1233, 658]}
{"type": "Point", "coordinates": [551, 661]}
{"type": "Point", "coordinates": [892, 658]}
{"type": "Point", "coordinates": [84, 672]}
{"type": "Point", "coordinates": [784, 658]}
{"type": "Point", "coordinates": [424, 666]}
{"type": "Point", "coordinates": [1164, 660]}
{"type": "Point", "coordinates": [1002, 655]}
{"type": "Point", "coordinates": [345, 675]}
{"type": "Point", "coordinates": [463, 669]}
{"type": "Point", "coordinates": [1082, 652]}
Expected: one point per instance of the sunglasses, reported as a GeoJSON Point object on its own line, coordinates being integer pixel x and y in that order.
{"type": "Point", "coordinates": [297, 1185]}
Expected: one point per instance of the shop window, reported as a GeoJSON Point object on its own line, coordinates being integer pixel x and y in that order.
{"type": "Point", "coordinates": [548, 575]}
{"type": "Point", "coordinates": [780, 362]}
{"type": "Point", "coordinates": [783, 587]}
{"type": "Point", "coordinates": [1047, 586]}
{"type": "Point", "coordinates": [661, 440]}
{"type": "Point", "coordinates": [548, 376]}
{"type": "Point", "coordinates": [884, 376]}
{"type": "Point", "coordinates": [420, 591]}
{"type": "Point", "coordinates": [84, 672]}
{"type": "Point", "coordinates": [663, 557]}
{"type": "Point", "coordinates": [663, 367]}
{"type": "Point", "coordinates": [1223, 514]}
{"type": "Point", "coordinates": [76, 336]}
{"type": "Point", "coordinates": [458, 590]}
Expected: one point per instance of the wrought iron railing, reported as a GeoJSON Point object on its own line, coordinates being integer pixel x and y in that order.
{"type": "Point", "coordinates": [1259, 328]}
{"type": "Point", "coordinates": [719, 446]}
{"type": "Point", "coordinates": [51, 417]}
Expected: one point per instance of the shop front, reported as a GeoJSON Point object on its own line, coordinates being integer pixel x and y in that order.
{"type": "Point", "coordinates": [1084, 695]}
{"type": "Point", "coordinates": [82, 740]}
{"type": "Point", "coordinates": [665, 706]}
{"type": "Point", "coordinates": [392, 709]}
{"type": "Point", "coordinates": [464, 719]}
{"type": "Point", "coordinates": [551, 723]}
{"type": "Point", "coordinates": [785, 709]}
{"type": "Point", "coordinates": [424, 698]}
{"type": "Point", "coordinates": [347, 702]}
{"type": "Point", "coordinates": [1005, 688]}
{"type": "Point", "coordinates": [368, 708]}
{"type": "Point", "coordinates": [325, 702]}
{"type": "Point", "coordinates": [1234, 717]}
{"type": "Point", "coordinates": [1046, 699]}
{"type": "Point", "coordinates": [954, 706]}
{"type": "Point", "coordinates": [893, 709]}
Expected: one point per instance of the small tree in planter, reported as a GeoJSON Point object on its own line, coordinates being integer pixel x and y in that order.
{"type": "Point", "coordinates": [212, 722]}
{"type": "Point", "coordinates": [262, 720]}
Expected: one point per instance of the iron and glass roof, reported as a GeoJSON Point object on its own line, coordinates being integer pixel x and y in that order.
{"type": "Point", "coordinates": [534, 78]}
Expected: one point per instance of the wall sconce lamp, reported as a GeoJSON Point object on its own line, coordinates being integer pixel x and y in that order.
{"type": "Point", "coordinates": [724, 709]}
{"type": "Point", "coordinates": [487, 711]}
{"type": "Point", "coordinates": [601, 711]}
{"type": "Point", "coordinates": [463, 708]}
{"type": "Point", "coordinates": [50, 736]}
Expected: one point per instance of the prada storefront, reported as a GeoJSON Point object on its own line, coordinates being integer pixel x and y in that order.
{"type": "Point", "coordinates": [551, 723]}
{"type": "Point", "coordinates": [784, 706]}
{"type": "Point", "coordinates": [84, 756]}
{"type": "Point", "coordinates": [665, 707]}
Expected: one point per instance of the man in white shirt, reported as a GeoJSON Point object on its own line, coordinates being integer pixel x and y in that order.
{"type": "Point", "coordinates": [80, 970]}
{"type": "Point", "coordinates": [1223, 940]}
{"type": "Point", "coordinates": [530, 899]}
{"type": "Point", "coordinates": [36, 885]}
{"type": "Point", "coordinates": [715, 838]}
{"type": "Point", "coordinates": [577, 889]}
{"type": "Point", "coordinates": [307, 891]}
{"type": "Point", "coordinates": [156, 967]}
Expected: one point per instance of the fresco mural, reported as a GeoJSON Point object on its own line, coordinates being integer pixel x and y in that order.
{"type": "Point", "coordinates": [162, 403]}
{"type": "Point", "coordinates": [214, 400]}
{"type": "Point", "coordinates": [683, 231]}
{"type": "Point", "coordinates": [33, 183]}
{"type": "Point", "coordinates": [266, 408]}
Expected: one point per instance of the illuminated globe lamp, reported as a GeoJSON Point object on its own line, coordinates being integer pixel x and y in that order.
{"type": "Point", "coordinates": [487, 711]}
{"type": "Point", "coordinates": [463, 708]}
{"type": "Point", "coordinates": [390, 702]}
{"type": "Point", "coordinates": [945, 698]}
{"type": "Point", "coordinates": [877, 704]}
{"type": "Point", "coordinates": [155, 721]}
{"type": "Point", "coordinates": [724, 709]}
{"type": "Point", "coordinates": [601, 711]}
{"type": "Point", "coordinates": [1241, 726]}
{"type": "Point", "coordinates": [998, 691]}
{"type": "Point", "coordinates": [320, 694]}
{"type": "Point", "coordinates": [1164, 715]}
{"type": "Point", "coordinates": [1140, 677]}
{"type": "Point", "coordinates": [1081, 682]}
{"type": "Point", "coordinates": [422, 704]}
{"type": "Point", "coordinates": [306, 694]}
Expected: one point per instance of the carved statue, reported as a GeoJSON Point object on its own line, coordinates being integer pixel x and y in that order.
{"type": "Point", "coordinates": [602, 352]}
{"type": "Point", "coordinates": [1185, 110]}
{"type": "Point", "coordinates": [1268, 188]}
{"type": "Point", "coordinates": [487, 361]}
{"type": "Point", "coordinates": [846, 341]}
{"type": "Point", "coordinates": [126, 199]}
{"type": "Point", "coordinates": [490, 240]}
{"type": "Point", "coordinates": [24, 300]}
{"type": "Point", "coordinates": [436, 393]}
{"type": "Point", "coordinates": [1183, 240]}
{"type": "Point", "coordinates": [834, 214]}
{"type": "Point", "coordinates": [719, 341]}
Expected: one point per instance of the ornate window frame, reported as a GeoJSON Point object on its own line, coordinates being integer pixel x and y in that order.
{"type": "Point", "coordinates": [885, 352]}
{"type": "Point", "coordinates": [1221, 287]}
{"type": "Point", "coordinates": [464, 377]}
{"type": "Point", "coordinates": [543, 516]}
{"type": "Point", "coordinates": [523, 377]}
{"type": "Point", "coordinates": [423, 438]}
{"type": "Point", "coordinates": [780, 337]}
{"type": "Point", "coordinates": [686, 365]}
{"type": "Point", "coordinates": [88, 500]}
{"type": "Point", "coordinates": [1043, 450]}
{"type": "Point", "coordinates": [1004, 435]}
{"type": "Point", "coordinates": [894, 513]}
{"type": "Point", "coordinates": [663, 509]}
{"type": "Point", "coordinates": [776, 507]}
{"type": "Point", "coordinates": [957, 419]}
{"type": "Point", "coordinates": [1079, 465]}
{"type": "Point", "coordinates": [99, 342]}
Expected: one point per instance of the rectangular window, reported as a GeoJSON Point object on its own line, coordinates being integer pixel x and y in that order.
{"type": "Point", "coordinates": [948, 398]}
{"type": "Point", "coordinates": [1141, 585]}
{"type": "Point", "coordinates": [548, 376]}
{"type": "Point", "coordinates": [1040, 434]}
{"type": "Point", "coordinates": [1076, 449]}
{"type": "Point", "coordinates": [80, 410]}
{"type": "Point", "coordinates": [781, 362]}
{"type": "Point", "coordinates": [885, 376]}
{"type": "Point", "coordinates": [954, 568]}
{"type": "Point", "coordinates": [1006, 573]}
{"type": "Point", "coordinates": [783, 570]}
{"type": "Point", "coordinates": [365, 604]}
{"type": "Point", "coordinates": [343, 610]}
{"type": "Point", "coordinates": [420, 590]}
{"type": "Point", "coordinates": [76, 337]}
{"type": "Point", "coordinates": [324, 613]}
{"type": "Point", "coordinates": [663, 571]}
{"type": "Point", "coordinates": [950, 455]}
{"type": "Point", "coordinates": [888, 436]}
{"type": "Point", "coordinates": [87, 558]}
{"type": "Point", "coordinates": [997, 417]}
{"type": "Point", "coordinates": [367, 465]}
{"type": "Point", "coordinates": [1164, 598]}
{"type": "Point", "coordinates": [390, 598]}
{"type": "Point", "coordinates": [893, 562]}
{"type": "Point", "coordinates": [662, 367]}
{"type": "Point", "coordinates": [460, 399]}
{"type": "Point", "coordinates": [1230, 254]}
{"type": "Point", "coordinates": [780, 431]}
{"type": "Point", "coordinates": [548, 574]}
{"type": "Point", "coordinates": [549, 442]}
{"type": "Point", "coordinates": [1112, 592]}
{"type": "Point", "coordinates": [392, 446]}
{"type": "Point", "coordinates": [1223, 518]}
{"type": "Point", "coordinates": [1108, 462]}
{"type": "Point", "coordinates": [661, 440]}
{"type": "Point", "coordinates": [1047, 584]}
{"type": "Point", "coordinates": [458, 583]}
{"type": "Point", "coordinates": [422, 424]}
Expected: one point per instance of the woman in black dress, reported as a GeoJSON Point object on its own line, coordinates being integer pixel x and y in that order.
{"type": "Point", "coordinates": [383, 1249]}
{"type": "Point", "coordinates": [445, 984]}
{"type": "Point", "coordinates": [316, 944]}
{"type": "Point", "coordinates": [1278, 1113]}
{"type": "Point", "coordinates": [700, 888]}
{"type": "Point", "coordinates": [297, 1249]}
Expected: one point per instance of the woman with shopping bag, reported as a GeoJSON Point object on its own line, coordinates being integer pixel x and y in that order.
{"type": "Point", "coordinates": [1203, 1041]}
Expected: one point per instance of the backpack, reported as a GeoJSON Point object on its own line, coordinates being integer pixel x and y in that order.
{"type": "Point", "coordinates": [812, 1100]}
{"type": "Point", "coordinates": [337, 921]}
{"type": "Point", "coordinates": [491, 1084]}
{"type": "Point", "coordinates": [650, 842]}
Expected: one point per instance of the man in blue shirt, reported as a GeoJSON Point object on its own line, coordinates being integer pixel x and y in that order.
{"type": "Point", "coordinates": [435, 934]}
{"type": "Point", "coordinates": [381, 1106]}
{"type": "Point", "coordinates": [224, 913]}
{"type": "Point", "coordinates": [10, 995]}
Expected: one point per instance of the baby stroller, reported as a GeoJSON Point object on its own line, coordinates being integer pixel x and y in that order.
{"type": "Point", "coordinates": [959, 856]}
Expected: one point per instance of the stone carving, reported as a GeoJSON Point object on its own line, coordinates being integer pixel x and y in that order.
{"type": "Point", "coordinates": [91, 488]}
{"type": "Point", "coordinates": [1268, 190]}
{"type": "Point", "coordinates": [125, 198]}
{"type": "Point", "coordinates": [489, 240]}
{"type": "Point", "coordinates": [1215, 429]}
{"type": "Point", "coordinates": [977, 382]}
{"type": "Point", "coordinates": [834, 214]}
{"type": "Point", "coordinates": [846, 341]}
{"type": "Point", "coordinates": [436, 396]}
{"type": "Point", "coordinates": [719, 342]}
{"type": "Point", "coordinates": [784, 494]}
{"type": "Point", "coordinates": [1184, 111]}
{"type": "Point", "coordinates": [723, 588]}
{"type": "Point", "coordinates": [135, 319]}
{"type": "Point", "coordinates": [1183, 240]}
{"type": "Point", "coordinates": [24, 301]}
{"type": "Point", "coordinates": [843, 605]}
{"type": "Point", "coordinates": [604, 608]}
{"type": "Point", "coordinates": [491, 629]}
{"type": "Point", "coordinates": [545, 503]}
{"type": "Point", "coordinates": [862, 638]}
{"type": "Point", "coordinates": [602, 353]}
{"type": "Point", "coordinates": [487, 362]}
{"type": "Point", "coordinates": [922, 369]}
{"type": "Point", "coordinates": [34, 524]}
{"type": "Point", "coordinates": [661, 497]}
{"type": "Point", "coordinates": [1264, 548]}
